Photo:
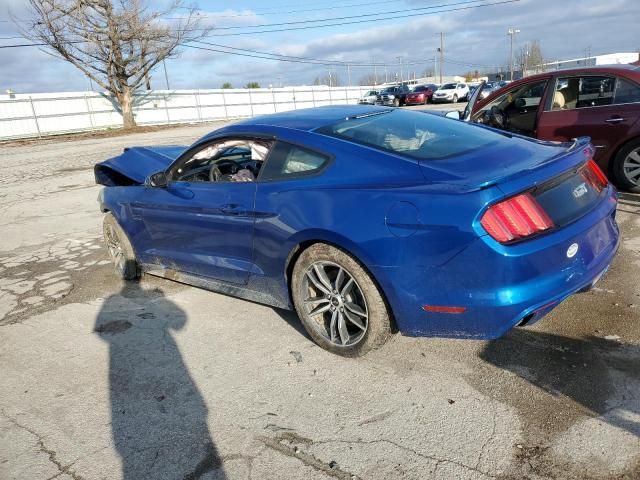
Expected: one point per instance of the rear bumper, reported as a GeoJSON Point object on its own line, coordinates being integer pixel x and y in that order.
{"type": "Point", "coordinates": [502, 286]}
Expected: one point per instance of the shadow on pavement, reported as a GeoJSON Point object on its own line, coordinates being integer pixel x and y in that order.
{"type": "Point", "coordinates": [599, 375]}
{"type": "Point", "coordinates": [158, 416]}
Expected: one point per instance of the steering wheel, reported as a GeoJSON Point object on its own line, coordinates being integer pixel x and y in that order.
{"type": "Point", "coordinates": [497, 118]}
{"type": "Point", "coordinates": [215, 175]}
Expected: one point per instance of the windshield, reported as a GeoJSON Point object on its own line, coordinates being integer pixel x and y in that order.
{"type": "Point", "coordinates": [370, 93]}
{"type": "Point", "coordinates": [448, 86]}
{"type": "Point", "coordinates": [417, 135]}
{"type": "Point", "coordinates": [389, 90]}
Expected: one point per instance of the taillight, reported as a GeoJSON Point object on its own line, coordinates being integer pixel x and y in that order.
{"type": "Point", "coordinates": [515, 218]}
{"type": "Point", "coordinates": [595, 176]}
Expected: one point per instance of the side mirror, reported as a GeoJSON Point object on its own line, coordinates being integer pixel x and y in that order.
{"type": "Point", "coordinates": [158, 179]}
{"type": "Point", "coordinates": [453, 114]}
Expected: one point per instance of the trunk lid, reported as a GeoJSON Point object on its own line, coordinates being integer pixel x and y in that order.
{"type": "Point", "coordinates": [136, 164]}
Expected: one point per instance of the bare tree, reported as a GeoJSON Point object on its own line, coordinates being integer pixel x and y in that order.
{"type": "Point", "coordinates": [530, 58]}
{"type": "Point", "coordinates": [333, 80]}
{"type": "Point", "coordinates": [116, 44]}
{"type": "Point", "coordinates": [368, 80]}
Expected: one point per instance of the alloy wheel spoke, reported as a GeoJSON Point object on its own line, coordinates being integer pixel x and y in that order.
{"type": "Point", "coordinates": [322, 276]}
{"type": "Point", "coordinates": [320, 309]}
{"type": "Point", "coordinates": [342, 329]}
{"type": "Point", "coordinates": [316, 300]}
{"type": "Point", "coordinates": [633, 173]}
{"type": "Point", "coordinates": [634, 156]}
{"type": "Point", "coordinates": [311, 276]}
{"type": "Point", "coordinates": [355, 308]}
{"type": "Point", "coordinates": [332, 326]}
{"type": "Point", "coordinates": [348, 286]}
{"type": "Point", "coordinates": [355, 320]}
{"type": "Point", "coordinates": [339, 280]}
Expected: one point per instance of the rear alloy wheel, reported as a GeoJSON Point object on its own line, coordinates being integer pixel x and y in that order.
{"type": "Point", "coordinates": [120, 249]}
{"type": "Point", "coordinates": [338, 302]}
{"type": "Point", "coordinates": [455, 98]}
{"type": "Point", "coordinates": [626, 167]}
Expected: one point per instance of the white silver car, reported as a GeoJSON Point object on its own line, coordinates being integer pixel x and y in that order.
{"type": "Point", "coordinates": [368, 98]}
{"type": "Point", "coordinates": [451, 92]}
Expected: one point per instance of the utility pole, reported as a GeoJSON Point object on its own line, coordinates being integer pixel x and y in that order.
{"type": "Point", "coordinates": [511, 32]}
{"type": "Point", "coordinates": [386, 79]}
{"type": "Point", "coordinates": [441, 50]}
{"type": "Point", "coordinates": [400, 62]}
{"type": "Point", "coordinates": [166, 77]}
{"type": "Point", "coordinates": [349, 73]}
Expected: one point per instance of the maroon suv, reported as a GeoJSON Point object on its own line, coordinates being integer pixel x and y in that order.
{"type": "Point", "coordinates": [420, 95]}
{"type": "Point", "coordinates": [600, 102]}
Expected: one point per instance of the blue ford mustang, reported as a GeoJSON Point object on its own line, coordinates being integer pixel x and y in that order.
{"type": "Point", "coordinates": [367, 220]}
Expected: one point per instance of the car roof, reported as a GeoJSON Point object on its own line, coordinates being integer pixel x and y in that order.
{"type": "Point", "coordinates": [311, 118]}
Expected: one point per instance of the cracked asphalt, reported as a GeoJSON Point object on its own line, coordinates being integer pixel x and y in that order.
{"type": "Point", "coordinates": [102, 380]}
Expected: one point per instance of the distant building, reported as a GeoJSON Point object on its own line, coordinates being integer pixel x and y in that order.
{"type": "Point", "coordinates": [608, 59]}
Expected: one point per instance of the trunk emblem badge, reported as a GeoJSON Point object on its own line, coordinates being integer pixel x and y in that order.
{"type": "Point", "coordinates": [572, 250]}
{"type": "Point", "coordinates": [580, 190]}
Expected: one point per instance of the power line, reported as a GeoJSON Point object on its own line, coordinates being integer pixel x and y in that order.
{"type": "Point", "coordinates": [309, 27]}
{"type": "Point", "coordinates": [300, 22]}
{"type": "Point", "coordinates": [419, 14]}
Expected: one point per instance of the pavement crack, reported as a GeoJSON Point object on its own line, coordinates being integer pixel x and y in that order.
{"type": "Point", "coordinates": [284, 444]}
{"type": "Point", "coordinates": [432, 458]}
{"type": "Point", "coordinates": [53, 457]}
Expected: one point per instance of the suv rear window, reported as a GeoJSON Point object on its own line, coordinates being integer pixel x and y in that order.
{"type": "Point", "coordinates": [417, 135]}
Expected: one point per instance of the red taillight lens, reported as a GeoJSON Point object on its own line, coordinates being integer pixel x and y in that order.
{"type": "Point", "coordinates": [515, 218]}
{"type": "Point", "coordinates": [595, 176]}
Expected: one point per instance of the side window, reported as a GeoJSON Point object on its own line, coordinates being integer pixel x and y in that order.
{"type": "Point", "coordinates": [626, 92]}
{"type": "Point", "coordinates": [527, 96]}
{"type": "Point", "coordinates": [286, 161]}
{"type": "Point", "coordinates": [228, 160]}
{"type": "Point", "coordinates": [582, 92]}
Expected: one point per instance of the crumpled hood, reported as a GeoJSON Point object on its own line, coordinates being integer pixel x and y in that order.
{"type": "Point", "coordinates": [136, 164]}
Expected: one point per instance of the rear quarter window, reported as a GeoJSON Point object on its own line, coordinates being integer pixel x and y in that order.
{"type": "Point", "coordinates": [289, 161]}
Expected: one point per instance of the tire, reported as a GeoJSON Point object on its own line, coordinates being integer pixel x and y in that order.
{"type": "Point", "coordinates": [120, 249]}
{"type": "Point", "coordinates": [455, 98]}
{"type": "Point", "coordinates": [396, 102]}
{"type": "Point", "coordinates": [337, 325]}
{"type": "Point", "coordinates": [629, 154]}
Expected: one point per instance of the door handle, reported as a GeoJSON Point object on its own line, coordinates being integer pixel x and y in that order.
{"type": "Point", "coordinates": [615, 120]}
{"type": "Point", "coordinates": [231, 209]}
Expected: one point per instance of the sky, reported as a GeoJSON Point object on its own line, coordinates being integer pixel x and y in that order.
{"type": "Point", "coordinates": [475, 39]}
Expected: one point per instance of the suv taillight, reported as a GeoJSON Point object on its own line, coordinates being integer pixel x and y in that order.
{"type": "Point", "coordinates": [515, 218]}
{"type": "Point", "coordinates": [595, 176]}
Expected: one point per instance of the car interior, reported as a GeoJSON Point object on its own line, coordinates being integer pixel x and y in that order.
{"type": "Point", "coordinates": [515, 110]}
{"type": "Point", "coordinates": [580, 92]}
{"type": "Point", "coordinates": [226, 161]}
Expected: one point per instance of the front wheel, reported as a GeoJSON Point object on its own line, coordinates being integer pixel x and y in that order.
{"type": "Point", "coordinates": [396, 102]}
{"type": "Point", "coordinates": [338, 302]}
{"type": "Point", "coordinates": [455, 98]}
{"type": "Point", "coordinates": [120, 249]}
{"type": "Point", "coordinates": [626, 167]}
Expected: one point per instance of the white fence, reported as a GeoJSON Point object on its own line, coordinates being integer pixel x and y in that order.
{"type": "Point", "coordinates": [54, 113]}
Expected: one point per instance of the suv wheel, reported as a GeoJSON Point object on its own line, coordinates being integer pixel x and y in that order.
{"type": "Point", "coordinates": [626, 167]}
{"type": "Point", "coordinates": [338, 302]}
{"type": "Point", "coordinates": [455, 98]}
{"type": "Point", "coordinates": [396, 102]}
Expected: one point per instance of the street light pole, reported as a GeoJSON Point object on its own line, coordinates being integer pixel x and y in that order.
{"type": "Point", "coordinates": [511, 32]}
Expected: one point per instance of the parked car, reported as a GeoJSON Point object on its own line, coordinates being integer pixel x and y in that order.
{"type": "Point", "coordinates": [393, 96]}
{"type": "Point", "coordinates": [488, 89]}
{"type": "Point", "coordinates": [282, 210]}
{"type": "Point", "coordinates": [600, 102]}
{"type": "Point", "coordinates": [368, 98]}
{"type": "Point", "coordinates": [421, 94]}
{"type": "Point", "coordinates": [451, 92]}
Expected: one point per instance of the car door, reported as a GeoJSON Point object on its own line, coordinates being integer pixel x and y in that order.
{"type": "Point", "coordinates": [520, 103]}
{"type": "Point", "coordinates": [583, 105]}
{"type": "Point", "coordinates": [196, 225]}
